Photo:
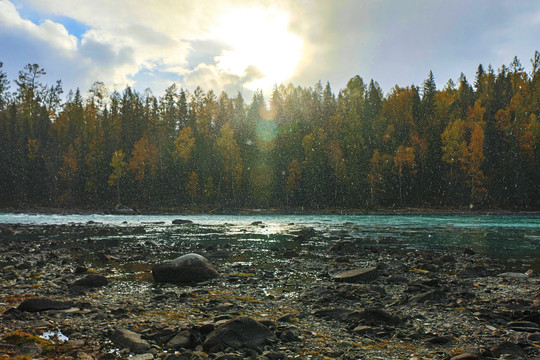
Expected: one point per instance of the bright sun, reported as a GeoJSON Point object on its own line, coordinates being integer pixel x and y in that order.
{"type": "Point", "coordinates": [260, 44]}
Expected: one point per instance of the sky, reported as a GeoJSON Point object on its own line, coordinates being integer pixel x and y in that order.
{"type": "Point", "coordinates": [246, 45]}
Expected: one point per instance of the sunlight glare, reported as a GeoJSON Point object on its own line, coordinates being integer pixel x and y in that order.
{"type": "Point", "coordinates": [261, 47]}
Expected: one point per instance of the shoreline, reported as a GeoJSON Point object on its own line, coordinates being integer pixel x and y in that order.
{"type": "Point", "coordinates": [274, 211]}
{"type": "Point", "coordinates": [319, 295]}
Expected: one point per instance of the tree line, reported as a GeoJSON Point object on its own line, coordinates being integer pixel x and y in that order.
{"type": "Point", "coordinates": [468, 144]}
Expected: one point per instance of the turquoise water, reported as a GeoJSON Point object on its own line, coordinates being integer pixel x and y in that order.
{"type": "Point", "coordinates": [494, 235]}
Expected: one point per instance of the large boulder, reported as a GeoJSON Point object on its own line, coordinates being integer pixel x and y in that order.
{"type": "Point", "coordinates": [44, 304]}
{"type": "Point", "coordinates": [186, 269]}
{"type": "Point", "coordinates": [128, 339]}
{"type": "Point", "coordinates": [241, 332]}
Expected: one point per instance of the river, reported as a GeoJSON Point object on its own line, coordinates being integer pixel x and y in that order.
{"type": "Point", "coordinates": [505, 236]}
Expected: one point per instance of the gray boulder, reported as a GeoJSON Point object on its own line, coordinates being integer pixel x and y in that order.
{"type": "Point", "coordinates": [128, 339]}
{"type": "Point", "coordinates": [186, 269]}
{"type": "Point", "coordinates": [241, 332]}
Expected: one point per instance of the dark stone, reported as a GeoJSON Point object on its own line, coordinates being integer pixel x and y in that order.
{"type": "Point", "coordinates": [440, 340]}
{"type": "Point", "coordinates": [238, 333]}
{"type": "Point", "coordinates": [508, 348]}
{"type": "Point", "coordinates": [4, 230]}
{"type": "Point", "coordinates": [446, 259]}
{"type": "Point", "coordinates": [182, 222]}
{"type": "Point", "coordinates": [332, 314]}
{"type": "Point", "coordinates": [305, 234]}
{"type": "Point", "coordinates": [180, 340]}
{"type": "Point", "coordinates": [474, 271]}
{"type": "Point", "coordinates": [373, 316]}
{"type": "Point", "coordinates": [128, 339]}
{"type": "Point", "coordinates": [388, 240]}
{"type": "Point", "coordinates": [92, 281]}
{"type": "Point", "coordinates": [256, 223]}
{"type": "Point", "coordinates": [124, 210]}
{"type": "Point", "coordinates": [434, 295]}
{"type": "Point", "coordinates": [289, 335]}
{"type": "Point", "coordinates": [44, 304]}
{"type": "Point", "coordinates": [524, 326]}
{"type": "Point", "coordinates": [358, 275]}
{"type": "Point", "coordinates": [80, 270]}
{"type": "Point", "coordinates": [344, 247]}
{"type": "Point", "coordinates": [186, 269]}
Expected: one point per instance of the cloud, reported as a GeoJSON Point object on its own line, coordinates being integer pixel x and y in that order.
{"type": "Point", "coordinates": [155, 43]}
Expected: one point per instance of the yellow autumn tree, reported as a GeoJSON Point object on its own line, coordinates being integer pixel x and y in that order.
{"type": "Point", "coordinates": [192, 185]}
{"type": "Point", "coordinates": [144, 159]}
{"type": "Point", "coordinates": [335, 157]}
{"type": "Point", "coordinates": [184, 144]}
{"type": "Point", "coordinates": [230, 152]}
{"type": "Point", "coordinates": [293, 179]}
{"type": "Point", "coordinates": [119, 170]}
{"type": "Point", "coordinates": [69, 165]}
{"type": "Point", "coordinates": [375, 176]}
{"type": "Point", "coordinates": [472, 164]}
{"type": "Point", "coordinates": [404, 163]}
{"type": "Point", "coordinates": [68, 171]}
{"type": "Point", "coordinates": [454, 144]}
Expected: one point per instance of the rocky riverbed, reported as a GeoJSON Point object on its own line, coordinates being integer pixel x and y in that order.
{"type": "Point", "coordinates": [87, 292]}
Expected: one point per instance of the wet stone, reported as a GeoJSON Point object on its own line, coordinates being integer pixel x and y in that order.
{"type": "Point", "coordinates": [91, 281]}
{"type": "Point", "coordinates": [358, 275]}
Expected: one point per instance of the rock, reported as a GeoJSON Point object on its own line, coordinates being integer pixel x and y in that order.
{"type": "Point", "coordinates": [284, 318]}
{"type": "Point", "coordinates": [440, 340]}
{"type": "Point", "coordinates": [255, 223]}
{"type": "Point", "coordinates": [237, 333]}
{"type": "Point", "coordinates": [128, 339]}
{"type": "Point", "coordinates": [466, 356]}
{"type": "Point", "coordinates": [44, 304]}
{"type": "Point", "coordinates": [30, 349]}
{"type": "Point", "coordinates": [446, 259]}
{"type": "Point", "coordinates": [363, 329]}
{"type": "Point", "coordinates": [524, 326]}
{"type": "Point", "coordinates": [358, 275]}
{"type": "Point", "coordinates": [508, 348]}
{"type": "Point", "coordinates": [124, 210]}
{"type": "Point", "coordinates": [92, 281]}
{"type": "Point", "coordinates": [332, 314]}
{"type": "Point", "coordinates": [535, 338]}
{"type": "Point", "coordinates": [473, 271]}
{"type": "Point", "coordinates": [373, 316]}
{"type": "Point", "coordinates": [180, 340]}
{"type": "Point", "coordinates": [182, 222]}
{"type": "Point", "coordinates": [289, 335]}
{"type": "Point", "coordinates": [433, 295]}
{"type": "Point", "coordinates": [344, 247]}
{"type": "Point", "coordinates": [514, 275]}
{"type": "Point", "coordinates": [142, 357]}
{"type": "Point", "coordinates": [186, 269]}
{"type": "Point", "coordinates": [4, 230]}
{"type": "Point", "coordinates": [305, 234]}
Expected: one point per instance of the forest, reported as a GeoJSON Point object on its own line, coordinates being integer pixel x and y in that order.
{"type": "Point", "coordinates": [468, 145]}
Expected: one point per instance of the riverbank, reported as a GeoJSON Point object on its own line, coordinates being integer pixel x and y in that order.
{"type": "Point", "coordinates": [278, 211]}
{"type": "Point", "coordinates": [413, 304]}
